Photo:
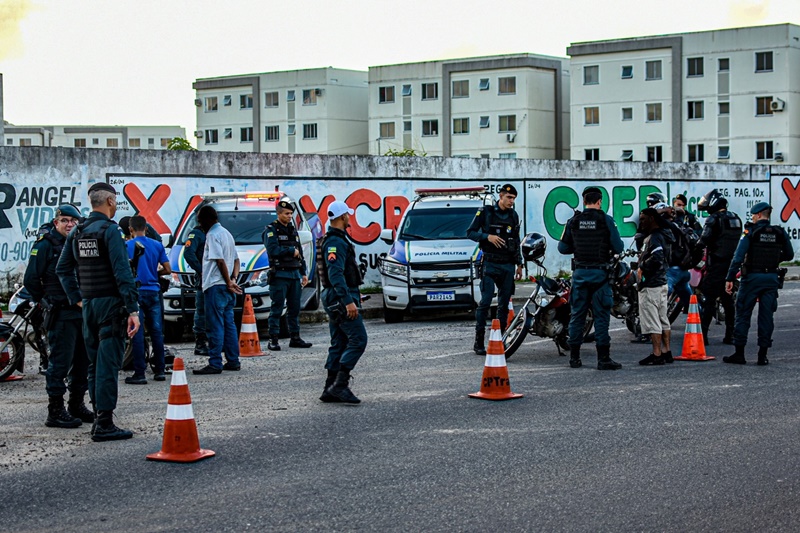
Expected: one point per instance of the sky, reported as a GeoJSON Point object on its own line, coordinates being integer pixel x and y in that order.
{"type": "Point", "coordinates": [132, 62]}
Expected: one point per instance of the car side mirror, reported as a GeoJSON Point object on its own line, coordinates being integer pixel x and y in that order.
{"type": "Point", "coordinates": [305, 236]}
{"type": "Point", "coordinates": [387, 236]}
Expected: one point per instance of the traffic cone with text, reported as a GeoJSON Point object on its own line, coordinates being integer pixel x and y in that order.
{"type": "Point", "coordinates": [495, 384]}
{"type": "Point", "coordinates": [249, 345]}
{"type": "Point", "coordinates": [181, 443]}
{"type": "Point", "coordinates": [694, 348]}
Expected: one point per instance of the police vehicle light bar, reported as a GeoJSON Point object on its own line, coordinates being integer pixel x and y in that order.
{"type": "Point", "coordinates": [450, 191]}
{"type": "Point", "coordinates": [243, 195]}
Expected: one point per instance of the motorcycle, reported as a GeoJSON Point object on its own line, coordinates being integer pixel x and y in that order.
{"type": "Point", "coordinates": [625, 297]}
{"type": "Point", "coordinates": [547, 311]}
{"type": "Point", "coordinates": [25, 312]}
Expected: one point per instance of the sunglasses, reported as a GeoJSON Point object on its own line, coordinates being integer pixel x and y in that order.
{"type": "Point", "coordinates": [67, 221]}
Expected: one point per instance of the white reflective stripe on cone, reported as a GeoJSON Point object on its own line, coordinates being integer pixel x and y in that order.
{"type": "Point", "coordinates": [495, 360]}
{"type": "Point", "coordinates": [249, 328]}
{"type": "Point", "coordinates": [495, 336]}
{"type": "Point", "coordinates": [179, 377]}
{"type": "Point", "coordinates": [180, 412]}
{"type": "Point", "coordinates": [693, 328]}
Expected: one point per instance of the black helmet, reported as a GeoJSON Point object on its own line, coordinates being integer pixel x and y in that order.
{"type": "Point", "coordinates": [533, 246]}
{"type": "Point", "coordinates": [655, 198]}
{"type": "Point", "coordinates": [712, 201]}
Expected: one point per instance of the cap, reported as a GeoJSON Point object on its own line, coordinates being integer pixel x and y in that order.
{"type": "Point", "coordinates": [283, 204]}
{"type": "Point", "coordinates": [101, 186]}
{"type": "Point", "coordinates": [759, 207]}
{"type": "Point", "coordinates": [508, 188]}
{"type": "Point", "coordinates": [67, 210]}
{"type": "Point", "coordinates": [588, 190]}
{"type": "Point", "coordinates": [337, 209]}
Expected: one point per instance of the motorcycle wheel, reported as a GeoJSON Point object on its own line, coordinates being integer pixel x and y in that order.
{"type": "Point", "coordinates": [673, 307]}
{"type": "Point", "coordinates": [516, 332]}
{"type": "Point", "coordinates": [588, 333]}
{"type": "Point", "coordinates": [632, 321]}
{"type": "Point", "coordinates": [11, 356]}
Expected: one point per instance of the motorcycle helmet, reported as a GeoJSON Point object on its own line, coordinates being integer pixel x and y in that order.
{"type": "Point", "coordinates": [712, 201]}
{"type": "Point", "coordinates": [655, 198]}
{"type": "Point", "coordinates": [533, 246]}
{"type": "Point", "coordinates": [621, 271]}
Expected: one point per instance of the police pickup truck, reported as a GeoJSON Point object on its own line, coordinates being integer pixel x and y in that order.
{"type": "Point", "coordinates": [432, 265]}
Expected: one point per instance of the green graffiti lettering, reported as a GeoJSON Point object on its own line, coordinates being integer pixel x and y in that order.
{"type": "Point", "coordinates": [622, 198]}
{"type": "Point", "coordinates": [644, 190]}
{"type": "Point", "coordinates": [559, 195]}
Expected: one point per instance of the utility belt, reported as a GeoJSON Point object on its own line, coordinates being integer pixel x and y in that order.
{"type": "Point", "coordinates": [590, 266]}
{"type": "Point", "coordinates": [500, 259]}
{"type": "Point", "coordinates": [118, 322]}
{"type": "Point", "coordinates": [750, 270]}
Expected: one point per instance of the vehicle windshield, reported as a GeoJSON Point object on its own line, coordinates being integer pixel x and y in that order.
{"type": "Point", "coordinates": [437, 224]}
{"type": "Point", "coordinates": [245, 226]}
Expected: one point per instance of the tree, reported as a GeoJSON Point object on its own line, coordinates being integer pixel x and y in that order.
{"type": "Point", "coordinates": [406, 152]}
{"type": "Point", "coordinates": [179, 143]}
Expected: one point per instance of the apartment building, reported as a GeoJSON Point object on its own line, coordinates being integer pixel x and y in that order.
{"type": "Point", "coordinates": [729, 95]}
{"type": "Point", "coordinates": [314, 111]}
{"type": "Point", "coordinates": [144, 137]}
{"type": "Point", "coordinates": [509, 106]}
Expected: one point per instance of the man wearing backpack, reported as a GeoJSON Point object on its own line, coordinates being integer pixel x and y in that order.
{"type": "Point", "coordinates": [682, 258]}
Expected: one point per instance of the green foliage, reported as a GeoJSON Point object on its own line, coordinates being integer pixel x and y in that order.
{"type": "Point", "coordinates": [179, 143]}
{"type": "Point", "coordinates": [406, 152]}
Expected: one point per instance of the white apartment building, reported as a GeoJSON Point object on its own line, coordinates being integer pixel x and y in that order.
{"type": "Point", "coordinates": [144, 137]}
{"type": "Point", "coordinates": [509, 106]}
{"type": "Point", "coordinates": [728, 95]}
{"type": "Point", "coordinates": [314, 111]}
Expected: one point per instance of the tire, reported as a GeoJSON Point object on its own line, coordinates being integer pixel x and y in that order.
{"type": "Point", "coordinates": [674, 306]}
{"type": "Point", "coordinates": [516, 332]}
{"type": "Point", "coordinates": [11, 357]}
{"type": "Point", "coordinates": [313, 303]}
{"type": "Point", "coordinates": [173, 331]}
{"type": "Point", "coordinates": [392, 316]}
{"type": "Point", "coordinates": [283, 333]}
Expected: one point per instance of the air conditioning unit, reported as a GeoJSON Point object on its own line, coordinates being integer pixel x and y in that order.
{"type": "Point", "coordinates": [199, 134]}
{"type": "Point", "coordinates": [198, 102]}
{"type": "Point", "coordinates": [511, 137]}
{"type": "Point", "coordinates": [318, 92]}
{"type": "Point", "coordinates": [779, 157]}
{"type": "Point", "coordinates": [777, 105]}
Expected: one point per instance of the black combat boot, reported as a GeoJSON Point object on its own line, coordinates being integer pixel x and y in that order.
{"type": "Point", "coordinates": [737, 358]}
{"type": "Point", "coordinates": [297, 342]}
{"type": "Point", "coordinates": [340, 388]}
{"type": "Point", "coordinates": [201, 344]}
{"type": "Point", "coordinates": [728, 338]}
{"type": "Point", "coordinates": [106, 430]}
{"type": "Point", "coordinates": [58, 417]}
{"type": "Point", "coordinates": [479, 347]}
{"type": "Point", "coordinates": [273, 345]}
{"type": "Point", "coordinates": [575, 357]}
{"type": "Point", "coordinates": [604, 361]}
{"type": "Point", "coordinates": [78, 409]}
{"type": "Point", "coordinates": [326, 396]}
{"type": "Point", "coordinates": [762, 356]}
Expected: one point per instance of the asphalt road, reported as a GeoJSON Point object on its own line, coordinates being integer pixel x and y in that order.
{"type": "Point", "coordinates": [682, 447]}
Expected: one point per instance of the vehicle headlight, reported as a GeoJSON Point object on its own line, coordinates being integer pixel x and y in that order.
{"type": "Point", "coordinates": [263, 278]}
{"type": "Point", "coordinates": [542, 300]}
{"type": "Point", "coordinates": [392, 269]}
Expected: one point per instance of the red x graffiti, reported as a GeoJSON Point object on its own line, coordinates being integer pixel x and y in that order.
{"type": "Point", "coordinates": [792, 199]}
{"type": "Point", "coordinates": [148, 207]}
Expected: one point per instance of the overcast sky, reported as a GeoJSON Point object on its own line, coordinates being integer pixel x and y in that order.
{"type": "Point", "coordinates": [132, 62]}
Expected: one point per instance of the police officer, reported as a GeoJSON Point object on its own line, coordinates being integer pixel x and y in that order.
{"type": "Point", "coordinates": [193, 253]}
{"type": "Point", "coordinates": [496, 229]}
{"type": "Point", "coordinates": [592, 237]}
{"type": "Point", "coordinates": [759, 254]}
{"type": "Point", "coordinates": [95, 273]}
{"type": "Point", "coordinates": [288, 275]}
{"type": "Point", "coordinates": [65, 326]}
{"type": "Point", "coordinates": [720, 237]}
{"type": "Point", "coordinates": [339, 273]}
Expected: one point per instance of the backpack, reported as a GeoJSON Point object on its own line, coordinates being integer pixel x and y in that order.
{"type": "Point", "coordinates": [684, 254]}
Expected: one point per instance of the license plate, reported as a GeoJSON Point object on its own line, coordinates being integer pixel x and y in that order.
{"type": "Point", "coordinates": [448, 296]}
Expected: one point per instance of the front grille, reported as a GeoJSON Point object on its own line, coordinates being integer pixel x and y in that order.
{"type": "Point", "coordinates": [456, 265]}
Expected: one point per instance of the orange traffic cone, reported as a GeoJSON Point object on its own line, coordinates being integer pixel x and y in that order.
{"type": "Point", "coordinates": [510, 313]}
{"type": "Point", "coordinates": [180, 444]}
{"type": "Point", "coordinates": [694, 348]}
{"type": "Point", "coordinates": [495, 384]}
{"type": "Point", "coordinates": [249, 345]}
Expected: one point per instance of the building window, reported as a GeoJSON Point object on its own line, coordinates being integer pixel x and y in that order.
{"type": "Point", "coordinates": [511, 155]}
{"type": "Point", "coordinates": [652, 70]}
{"type": "Point", "coordinates": [406, 90]}
{"type": "Point", "coordinates": [246, 101]}
{"type": "Point", "coordinates": [309, 131]}
{"type": "Point", "coordinates": [694, 67]}
{"type": "Point", "coordinates": [406, 125]}
{"type": "Point", "coordinates": [484, 123]}
{"type": "Point", "coordinates": [226, 100]}
{"type": "Point", "coordinates": [151, 142]}
{"type": "Point", "coordinates": [724, 152]}
{"type": "Point", "coordinates": [430, 91]}
{"type": "Point", "coordinates": [212, 137]}
{"type": "Point", "coordinates": [507, 85]}
{"type": "Point", "coordinates": [211, 104]}
{"type": "Point", "coordinates": [25, 142]}
{"type": "Point", "coordinates": [272, 133]}
{"type": "Point", "coordinates": [271, 99]}
{"type": "Point", "coordinates": [654, 154]}
{"type": "Point", "coordinates": [486, 156]}
{"type": "Point", "coordinates": [763, 106]}
{"type": "Point", "coordinates": [95, 141]}
{"type": "Point", "coordinates": [246, 135]}
{"type": "Point", "coordinates": [112, 143]}
{"type": "Point", "coordinates": [627, 72]}
{"type": "Point", "coordinates": [724, 108]}
{"type": "Point", "coordinates": [696, 153]}
{"type": "Point", "coordinates": [591, 75]}
{"type": "Point", "coordinates": [461, 89]}
{"type": "Point", "coordinates": [9, 142]}
{"type": "Point", "coordinates": [627, 113]}
{"type": "Point", "coordinates": [227, 133]}
{"type": "Point", "coordinates": [137, 143]}
{"type": "Point", "coordinates": [290, 130]}
{"type": "Point", "coordinates": [290, 96]}
{"type": "Point", "coordinates": [310, 96]}
{"type": "Point", "coordinates": [723, 64]}
{"type": "Point", "coordinates": [507, 123]}
{"type": "Point", "coordinates": [591, 116]}
{"type": "Point", "coordinates": [80, 143]}
{"type": "Point", "coordinates": [164, 142]}
{"type": "Point", "coordinates": [386, 94]}
{"type": "Point", "coordinates": [591, 154]}
{"type": "Point", "coordinates": [763, 61]}
{"type": "Point", "coordinates": [627, 155]}
{"type": "Point", "coordinates": [653, 112]}
{"type": "Point", "coordinates": [430, 128]}
{"type": "Point", "coordinates": [460, 126]}
{"type": "Point", "coordinates": [694, 110]}
{"type": "Point", "coordinates": [483, 85]}
{"type": "Point", "coordinates": [764, 151]}
{"type": "Point", "coordinates": [387, 130]}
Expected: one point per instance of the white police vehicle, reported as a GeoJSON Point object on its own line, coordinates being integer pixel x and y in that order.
{"type": "Point", "coordinates": [432, 265]}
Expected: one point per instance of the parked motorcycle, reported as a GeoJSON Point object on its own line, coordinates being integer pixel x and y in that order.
{"type": "Point", "coordinates": [625, 297]}
{"type": "Point", "coordinates": [27, 319]}
{"type": "Point", "coordinates": [546, 313]}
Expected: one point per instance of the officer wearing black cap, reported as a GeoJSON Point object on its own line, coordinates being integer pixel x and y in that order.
{"type": "Point", "coordinates": [288, 275]}
{"type": "Point", "coordinates": [592, 237]}
{"type": "Point", "coordinates": [64, 325]}
{"type": "Point", "coordinates": [496, 229]}
{"type": "Point", "coordinates": [759, 254]}
{"type": "Point", "coordinates": [95, 273]}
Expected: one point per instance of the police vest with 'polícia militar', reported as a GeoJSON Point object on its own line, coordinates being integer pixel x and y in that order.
{"type": "Point", "coordinates": [287, 237]}
{"type": "Point", "coordinates": [764, 254]}
{"type": "Point", "coordinates": [731, 230]}
{"type": "Point", "coordinates": [504, 224]}
{"type": "Point", "coordinates": [591, 238]}
{"type": "Point", "coordinates": [352, 274]}
{"type": "Point", "coordinates": [95, 272]}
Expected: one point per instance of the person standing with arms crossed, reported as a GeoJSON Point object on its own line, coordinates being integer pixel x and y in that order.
{"type": "Point", "coordinates": [96, 274]}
